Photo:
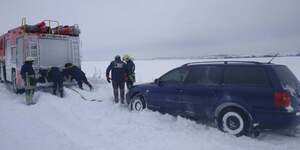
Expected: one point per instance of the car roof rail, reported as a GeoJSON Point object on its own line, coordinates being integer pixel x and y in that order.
{"type": "Point", "coordinates": [222, 62]}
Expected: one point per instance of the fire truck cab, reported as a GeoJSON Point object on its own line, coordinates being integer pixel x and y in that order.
{"type": "Point", "coordinates": [50, 46]}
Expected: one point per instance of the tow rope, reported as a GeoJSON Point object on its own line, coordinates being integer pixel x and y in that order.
{"type": "Point", "coordinates": [84, 98]}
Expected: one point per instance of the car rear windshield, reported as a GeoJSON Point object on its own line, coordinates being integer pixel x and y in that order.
{"type": "Point", "coordinates": [286, 77]}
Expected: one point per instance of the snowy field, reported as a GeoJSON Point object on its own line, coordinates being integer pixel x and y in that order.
{"type": "Point", "coordinates": [73, 124]}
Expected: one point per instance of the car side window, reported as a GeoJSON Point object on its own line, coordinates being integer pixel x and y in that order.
{"type": "Point", "coordinates": [252, 76]}
{"type": "Point", "coordinates": [175, 76]}
{"type": "Point", "coordinates": [204, 75]}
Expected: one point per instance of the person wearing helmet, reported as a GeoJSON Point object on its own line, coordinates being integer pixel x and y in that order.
{"type": "Point", "coordinates": [76, 73]}
{"type": "Point", "coordinates": [130, 69]}
{"type": "Point", "coordinates": [118, 71]}
{"type": "Point", "coordinates": [28, 76]}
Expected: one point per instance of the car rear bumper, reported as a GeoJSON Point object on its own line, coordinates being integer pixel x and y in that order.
{"type": "Point", "coordinates": [277, 120]}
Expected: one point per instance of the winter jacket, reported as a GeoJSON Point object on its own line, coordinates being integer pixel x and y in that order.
{"type": "Point", "coordinates": [118, 71]}
{"type": "Point", "coordinates": [27, 68]}
{"type": "Point", "coordinates": [75, 73]}
{"type": "Point", "coordinates": [130, 67]}
{"type": "Point", "coordinates": [54, 75]}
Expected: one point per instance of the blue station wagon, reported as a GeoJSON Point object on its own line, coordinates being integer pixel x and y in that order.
{"type": "Point", "coordinates": [239, 96]}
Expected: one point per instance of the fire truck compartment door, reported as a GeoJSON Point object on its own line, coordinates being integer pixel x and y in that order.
{"type": "Point", "coordinates": [54, 52]}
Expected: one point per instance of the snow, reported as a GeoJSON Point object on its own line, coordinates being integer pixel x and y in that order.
{"type": "Point", "coordinates": [73, 124]}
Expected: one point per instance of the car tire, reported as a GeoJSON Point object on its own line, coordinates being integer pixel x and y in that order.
{"type": "Point", "coordinates": [233, 121]}
{"type": "Point", "coordinates": [137, 103]}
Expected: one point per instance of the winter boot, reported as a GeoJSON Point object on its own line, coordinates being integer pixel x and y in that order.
{"type": "Point", "coordinates": [116, 100]}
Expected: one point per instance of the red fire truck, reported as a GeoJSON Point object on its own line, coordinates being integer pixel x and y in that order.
{"type": "Point", "coordinates": [50, 43]}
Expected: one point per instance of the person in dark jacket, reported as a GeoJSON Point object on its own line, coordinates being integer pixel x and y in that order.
{"type": "Point", "coordinates": [28, 76]}
{"type": "Point", "coordinates": [118, 71]}
{"type": "Point", "coordinates": [131, 71]}
{"type": "Point", "coordinates": [56, 76]}
{"type": "Point", "coordinates": [76, 73]}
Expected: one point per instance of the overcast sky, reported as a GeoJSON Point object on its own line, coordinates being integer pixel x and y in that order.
{"type": "Point", "coordinates": [160, 28]}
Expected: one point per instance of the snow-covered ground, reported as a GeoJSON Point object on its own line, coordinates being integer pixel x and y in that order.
{"type": "Point", "coordinates": [73, 124]}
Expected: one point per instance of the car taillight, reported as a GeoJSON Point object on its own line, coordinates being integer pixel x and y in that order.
{"type": "Point", "coordinates": [282, 99]}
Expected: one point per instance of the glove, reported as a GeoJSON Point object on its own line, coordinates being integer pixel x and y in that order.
{"type": "Point", "coordinates": [108, 79]}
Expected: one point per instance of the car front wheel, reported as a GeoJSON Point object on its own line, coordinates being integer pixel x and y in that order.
{"type": "Point", "coordinates": [137, 103]}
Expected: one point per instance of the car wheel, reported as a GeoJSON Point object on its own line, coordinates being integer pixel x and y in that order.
{"type": "Point", "coordinates": [137, 103]}
{"type": "Point", "coordinates": [233, 121]}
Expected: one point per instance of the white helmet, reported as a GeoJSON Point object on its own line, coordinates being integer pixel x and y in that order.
{"type": "Point", "coordinates": [127, 57]}
{"type": "Point", "coordinates": [29, 58]}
